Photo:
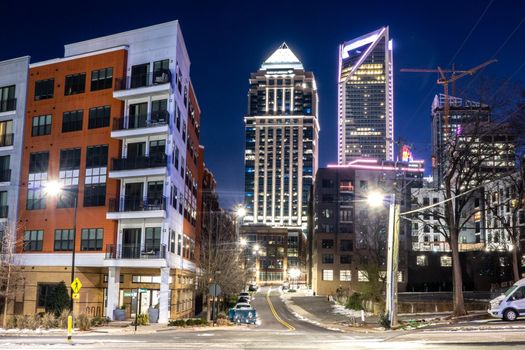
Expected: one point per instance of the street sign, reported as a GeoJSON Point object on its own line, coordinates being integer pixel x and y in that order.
{"type": "Point", "coordinates": [76, 285]}
{"type": "Point", "coordinates": [214, 290]}
{"type": "Point", "coordinates": [130, 294]}
{"type": "Point", "coordinates": [143, 290]}
{"type": "Point", "coordinates": [75, 296]}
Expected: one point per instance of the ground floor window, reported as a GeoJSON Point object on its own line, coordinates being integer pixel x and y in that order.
{"type": "Point", "coordinates": [345, 275]}
{"type": "Point", "coordinates": [328, 275]}
{"type": "Point", "coordinates": [362, 276]}
{"type": "Point", "coordinates": [270, 276]}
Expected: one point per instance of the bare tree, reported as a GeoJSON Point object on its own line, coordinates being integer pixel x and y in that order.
{"type": "Point", "coordinates": [10, 274]}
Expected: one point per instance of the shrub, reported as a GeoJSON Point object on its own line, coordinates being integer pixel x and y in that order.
{"type": "Point", "coordinates": [384, 320]}
{"type": "Point", "coordinates": [177, 323]}
{"type": "Point", "coordinates": [22, 321]}
{"type": "Point", "coordinates": [291, 291]}
{"type": "Point", "coordinates": [222, 322]}
{"type": "Point", "coordinates": [33, 322]}
{"type": "Point", "coordinates": [62, 319]}
{"type": "Point", "coordinates": [142, 320]}
{"type": "Point", "coordinates": [48, 321]}
{"type": "Point", "coordinates": [221, 315]}
{"type": "Point", "coordinates": [11, 322]}
{"type": "Point", "coordinates": [355, 302]}
{"type": "Point", "coordinates": [83, 322]}
{"type": "Point", "coordinates": [58, 299]}
{"type": "Point", "coordinates": [99, 321]}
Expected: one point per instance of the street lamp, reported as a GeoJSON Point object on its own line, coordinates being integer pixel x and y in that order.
{"type": "Point", "coordinates": [375, 199]}
{"type": "Point", "coordinates": [294, 274]}
{"type": "Point", "coordinates": [55, 188]}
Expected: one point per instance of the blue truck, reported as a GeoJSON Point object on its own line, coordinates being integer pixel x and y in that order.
{"type": "Point", "coordinates": [242, 313]}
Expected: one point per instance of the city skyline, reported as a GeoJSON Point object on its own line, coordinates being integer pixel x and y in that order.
{"type": "Point", "coordinates": [223, 91]}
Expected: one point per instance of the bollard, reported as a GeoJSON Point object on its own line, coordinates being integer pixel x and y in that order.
{"type": "Point", "coordinates": [363, 316]}
{"type": "Point", "coordinates": [69, 327]}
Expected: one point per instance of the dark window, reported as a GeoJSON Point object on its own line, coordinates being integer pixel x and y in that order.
{"type": "Point", "coordinates": [328, 258]}
{"type": "Point", "coordinates": [33, 240]}
{"type": "Point", "coordinates": [327, 243]}
{"type": "Point", "coordinates": [41, 125]}
{"type": "Point", "coordinates": [7, 98]}
{"type": "Point", "coordinates": [36, 199]}
{"type": "Point", "coordinates": [64, 239]}
{"type": "Point", "coordinates": [345, 259]}
{"type": "Point", "coordinates": [69, 175]}
{"type": "Point", "coordinates": [75, 84]}
{"type": "Point", "coordinates": [161, 71]}
{"type": "Point", "coordinates": [44, 89]}
{"type": "Point", "coordinates": [99, 117]}
{"type": "Point", "coordinates": [152, 241]}
{"type": "Point", "coordinates": [101, 79]}
{"type": "Point", "coordinates": [5, 169]}
{"type": "Point", "coordinates": [95, 195]}
{"type": "Point", "coordinates": [91, 239]}
{"type": "Point", "coordinates": [97, 156]}
{"type": "Point", "coordinates": [328, 183]}
{"type": "Point", "coordinates": [72, 120]}
{"type": "Point", "coordinates": [44, 290]}
{"type": "Point", "coordinates": [70, 159]}
{"type": "Point", "coordinates": [38, 162]}
{"type": "Point", "coordinates": [346, 245]}
{"type": "Point", "coordinates": [176, 158]}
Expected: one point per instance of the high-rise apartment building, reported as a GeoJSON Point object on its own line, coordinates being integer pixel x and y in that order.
{"type": "Point", "coordinates": [281, 141]}
{"type": "Point", "coordinates": [365, 98]}
{"type": "Point", "coordinates": [116, 122]}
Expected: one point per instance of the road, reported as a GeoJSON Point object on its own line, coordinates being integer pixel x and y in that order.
{"type": "Point", "coordinates": [277, 329]}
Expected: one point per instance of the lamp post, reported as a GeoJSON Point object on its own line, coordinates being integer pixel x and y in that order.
{"type": "Point", "coordinates": [376, 199]}
{"type": "Point", "coordinates": [294, 274]}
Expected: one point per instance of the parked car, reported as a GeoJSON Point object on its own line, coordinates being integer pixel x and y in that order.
{"type": "Point", "coordinates": [511, 304]}
{"type": "Point", "coordinates": [242, 313]}
{"type": "Point", "coordinates": [243, 299]}
{"type": "Point", "coordinates": [244, 294]}
{"type": "Point", "coordinates": [253, 287]}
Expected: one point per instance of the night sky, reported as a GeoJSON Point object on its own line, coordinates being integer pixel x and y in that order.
{"type": "Point", "coordinates": [227, 40]}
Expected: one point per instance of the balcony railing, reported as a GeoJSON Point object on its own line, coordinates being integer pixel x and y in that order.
{"type": "Point", "coordinates": [5, 175]}
{"type": "Point", "coordinates": [4, 210]}
{"type": "Point", "coordinates": [143, 80]}
{"type": "Point", "coordinates": [6, 140]}
{"type": "Point", "coordinates": [8, 105]}
{"type": "Point", "coordinates": [153, 161]}
{"type": "Point", "coordinates": [128, 204]}
{"type": "Point", "coordinates": [155, 119]}
{"type": "Point", "coordinates": [134, 251]}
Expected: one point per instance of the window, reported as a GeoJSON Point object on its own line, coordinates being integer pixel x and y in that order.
{"type": "Point", "coordinates": [38, 163]}
{"type": "Point", "coordinates": [421, 260]}
{"type": "Point", "coordinates": [101, 79]}
{"type": "Point", "coordinates": [152, 241]}
{"type": "Point", "coordinates": [99, 117]}
{"type": "Point", "coordinates": [44, 89]}
{"type": "Point", "coordinates": [184, 131]}
{"type": "Point", "coordinates": [41, 125]}
{"type": "Point", "coordinates": [75, 84]}
{"type": "Point", "coordinates": [91, 239]}
{"type": "Point", "coordinates": [7, 98]}
{"type": "Point", "coordinates": [176, 158]}
{"type": "Point", "coordinates": [345, 215]}
{"type": "Point", "coordinates": [64, 239]}
{"type": "Point", "coordinates": [446, 261]}
{"type": "Point", "coordinates": [346, 245]}
{"type": "Point", "coordinates": [69, 171]}
{"type": "Point", "coordinates": [328, 275]}
{"type": "Point", "coordinates": [328, 258]}
{"type": "Point", "coordinates": [95, 180]}
{"type": "Point", "coordinates": [327, 213]}
{"type": "Point", "coordinates": [72, 120]}
{"type": "Point", "coordinates": [345, 275]}
{"type": "Point", "coordinates": [33, 240]}
{"type": "Point", "coordinates": [5, 170]}
{"type": "Point", "coordinates": [327, 243]}
{"type": "Point", "coordinates": [6, 133]}
{"type": "Point", "coordinates": [44, 290]}
{"type": "Point", "coordinates": [362, 276]}
{"type": "Point", "coordinates": [345, 259]}
{"type": "Point", "coordinates": [327, 183]}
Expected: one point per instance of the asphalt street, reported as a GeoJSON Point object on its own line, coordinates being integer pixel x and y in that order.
{"type": "Point", "coordinates": [277, 328]}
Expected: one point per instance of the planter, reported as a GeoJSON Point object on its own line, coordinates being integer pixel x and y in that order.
{"type": "Point", "coordinates": [119, 314]}
{"type": "Point", "coordinates": [153, 314]}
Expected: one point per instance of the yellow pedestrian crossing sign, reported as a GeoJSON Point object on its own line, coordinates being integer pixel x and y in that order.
{"type": "Point", "coordinates": [76, 285]}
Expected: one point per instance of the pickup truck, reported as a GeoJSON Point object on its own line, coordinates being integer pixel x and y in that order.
{"type": "Point", "coordinates": [242, 313]}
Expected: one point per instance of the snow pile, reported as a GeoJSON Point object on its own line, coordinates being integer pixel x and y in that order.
{"type": "Point", "coordinates": [341, 310]}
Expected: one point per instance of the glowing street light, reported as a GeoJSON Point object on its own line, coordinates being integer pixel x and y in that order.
{"type": "Point", "coordinates": [53, 188]}
{"type": "Point", "coordinates": [375, 199]}
{"type": "Point", "coordinates": [243, 242]}
{"type": "Point", "coordinates": [256, 247]}
{"type": "Point", "coordinates": [240, 212]}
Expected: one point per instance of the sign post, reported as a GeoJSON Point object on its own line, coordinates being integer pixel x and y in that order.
{"type": "Point", "coordinates": [75, 288]}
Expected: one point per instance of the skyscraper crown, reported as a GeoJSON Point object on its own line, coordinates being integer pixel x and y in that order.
{"type": "Point", "coordinates": [283, 57]}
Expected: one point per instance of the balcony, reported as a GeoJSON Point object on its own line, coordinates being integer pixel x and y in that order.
{"type": "Point", "coordinates": [6, 140]}
{"type": "Point", "coordinates": [138, 166]}
{"type": "Point", "coordinates": [5, 175]}
{"type": "Point", "coordinates": [8, 105]}
{"type": "Point", "coordinates": [155, 123]}
{"type": "Point", "coordinates": [142, 85]}
{"type": "Point", "coordinates": [136, 207]}
{"type": "Point", "coordinates": [133, 255]}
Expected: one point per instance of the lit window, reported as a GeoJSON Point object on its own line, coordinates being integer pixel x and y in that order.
{"type": "Point", "coordinates": [328, 275]}
{"type": "Point", "coordinates": [446, 261]}
{"type": "Point", "coordinates": [362, 276]}
{"type": "Point", "coordinates": [421, 260]}
{"type": "Point", "coordinates": [345, 275]}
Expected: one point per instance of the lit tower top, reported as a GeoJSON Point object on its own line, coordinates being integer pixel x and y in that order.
{"type": "Point", "coordinates": [282, 58]}
{"type": "Point", "coordinates": [365, 98]}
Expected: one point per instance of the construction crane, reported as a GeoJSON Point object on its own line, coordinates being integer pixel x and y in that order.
{"type": "Point", "coordinates": [443, 80]}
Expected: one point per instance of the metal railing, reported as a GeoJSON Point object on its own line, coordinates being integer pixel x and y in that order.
{"type": "Point", "coordinates": [8, 105]}
{"type": "Point", "coordinates": [152, 161]}
{"type": "Point", "coordinates": [5, 175]}
{"type": "Point", "coordinates": [127, 204]}
{"type": "Point", "coordinates": [141, 121]}
{"type": "Point", "coordinates": [143, 80]}
{"type": "Point", "coordinates": [135, 251]}
{"type": "Point", "coordinates": [6, 140]}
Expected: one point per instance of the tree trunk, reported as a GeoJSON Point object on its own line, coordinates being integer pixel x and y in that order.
{"type": "Point", "coordinates": [515, 264]}
{"type": "Point", "coordinates": [457, 278]}
{"type": "Point", "coordinates": [6, 298]}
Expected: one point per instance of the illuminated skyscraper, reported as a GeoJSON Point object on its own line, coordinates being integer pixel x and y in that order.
{"type": "Point", "coordinates": [365, 98]}
{"type": "Point", "coordinates": [281, 141]}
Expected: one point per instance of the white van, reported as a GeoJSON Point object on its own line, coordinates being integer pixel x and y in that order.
{"type": "Point", "coordinates": [510, 305]}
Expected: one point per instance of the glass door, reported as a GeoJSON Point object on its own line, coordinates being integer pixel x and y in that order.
{"type": "Point", "coordinates": [131, 239]}
{"type": "Point", "coordinates": [138, 115]}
